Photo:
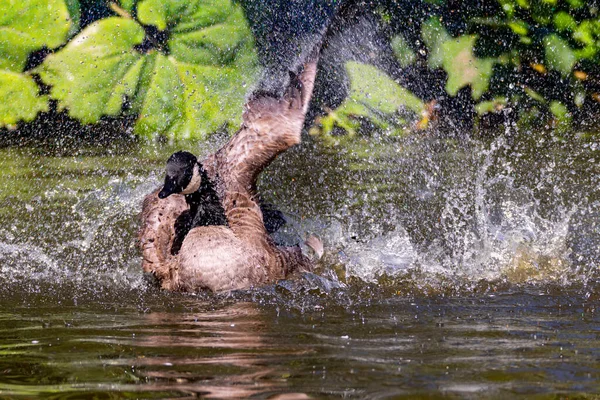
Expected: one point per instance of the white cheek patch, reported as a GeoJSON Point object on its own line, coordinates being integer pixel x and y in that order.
{"type": "Point", "coordinates": [194, 184]}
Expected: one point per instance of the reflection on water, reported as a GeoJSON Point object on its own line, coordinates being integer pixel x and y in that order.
{"type": "Point", "coordinates": [515, 344]}
{"type": "Point", "coordinates": [218, 353]}
{"type": "Point", "coordinates": [452, 270]}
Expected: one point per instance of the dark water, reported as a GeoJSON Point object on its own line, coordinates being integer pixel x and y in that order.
{"type": "Point", "coordinates": [162, 345]}
{"type": "Point", "coordinates": [453, 270]}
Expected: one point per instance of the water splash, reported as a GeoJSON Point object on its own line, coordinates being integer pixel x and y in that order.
{"type": "Point", "coordinates": [114, 201]}
{"type": "Point", "coordinates": [449, 212]}
{"type": "Point", "coordinates": [92, 244]}
{"type": "Point", "coordinates": [486, 219]}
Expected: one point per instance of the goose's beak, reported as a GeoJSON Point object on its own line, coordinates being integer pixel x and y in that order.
{"type": "Point", "coordinates": [168, 189]}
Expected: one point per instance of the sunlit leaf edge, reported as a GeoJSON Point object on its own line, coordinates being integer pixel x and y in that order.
{"type": "Point", "coordinates": [19, 98]}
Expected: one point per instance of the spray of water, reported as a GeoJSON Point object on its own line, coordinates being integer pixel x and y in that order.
{"type": "Point", "coordinates": [430, 210]}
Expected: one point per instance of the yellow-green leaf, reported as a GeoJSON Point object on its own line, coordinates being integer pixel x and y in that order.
{"type": "Point", "coordinates": [19, 98]}
{"type": "Point", "coordinates": [559, 55]}
{"type": "Point", "coordinates": [372, 87]}
{"type": "Point", "coordinates": [373, 96]}
{"type": "Point", "coordinates": [86, 73]}
{"type": "Point", "coordinates": [28, 25]}
{"type": "Point", "coordinates": [463, 68]}
{"type": "Point", "coordinates": [434, 35]}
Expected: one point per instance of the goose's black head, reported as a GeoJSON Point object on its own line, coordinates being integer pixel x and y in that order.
{"type": "Point", "coordinates": [182, 175]}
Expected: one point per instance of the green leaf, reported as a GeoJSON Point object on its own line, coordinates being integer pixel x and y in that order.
{"type": "Point", "coordinates": [373, 96]}
{"type": "Point", "coordinates": [457, 59]}
{"type": "Point", "coordinates": [525, 40]}
{"type": "Point", "coordinates": [534, 95]}
{"type": "Point", "coordinates": [19, 98]}
{"type": "Point", "coordinates": [587, 33]}
{"type": "Point", "coordinates": [213, 98]}
{"type": "Point", "coordinates": [564, 21]}
{"type": "Point", "coordinates": [562, 115]}
{"type": "Point", "coordinates": [402, 51]}
{"type": "Point", "coordinates": [162, 102]}
{"type": "Point", "coordinates": [576, 3]}
{"type": "Point", "coordinates": [559, 110]}
{"type": "Point", "coordinates": [85, 74]}
{"type": "Point", "coordinates": [128, 5]}
{"type": "Point", "coordinates": [584, 33]}
{"type": "Point", "coordinates": [28, 25]}
{"type": "Point", "coordinates": [542, 12]}
{"type": "Point", "coordinates": [214, 45]}
{"type": "Point", "coordinates": [463, 68]}
{"type": "Point", "coordinates": [559, 55]}
{"type": "Point", "coordinates": [434, 35]}
{"type": "Point", "coordinates": [579, 98]}
{"type": "Point", "coordinates": [127, 87]}
{"type": "Point", "coordinates": [508, 6]}
{"type": "Point", "coordinates": [491, 106]}
{"type": "Point", "coordinates": [519, 27]}
{"type": "Point", "coordinates": [373, 88]}
{"type": "Point", "coordinates": [75, 13]}
{"type": "Point", "coordinates": [158, 13]}
{"type": "Point", "coordinates": [196, 89]}
{"type": "Point", "coordinates": [183, 15]}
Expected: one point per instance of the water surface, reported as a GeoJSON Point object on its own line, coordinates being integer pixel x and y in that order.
{"type": "Point", "coordinates": [453, 269]}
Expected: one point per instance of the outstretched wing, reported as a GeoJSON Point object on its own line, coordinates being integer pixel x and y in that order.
{"type": "Point", "coordinates": [270, 126]}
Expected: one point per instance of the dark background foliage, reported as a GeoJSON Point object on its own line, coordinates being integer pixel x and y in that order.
{"type": "Point", "coordinates": [470, 63]}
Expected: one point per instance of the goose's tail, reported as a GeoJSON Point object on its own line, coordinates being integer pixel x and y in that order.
{"type": "Point", "coordinates": [316, 245]}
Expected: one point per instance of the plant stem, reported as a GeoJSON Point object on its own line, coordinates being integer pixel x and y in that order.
{"type": "Point", "coordinates": [120, 11]}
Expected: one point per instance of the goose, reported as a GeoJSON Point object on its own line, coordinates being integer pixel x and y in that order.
{"type": "Point", "coordinates": [238, 254]}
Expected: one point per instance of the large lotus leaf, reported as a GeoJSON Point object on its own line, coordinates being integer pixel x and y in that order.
{"type": "Point", "coordinates": [463, 68]}
{"type": "Point", "coordinates": [86, 74]}
{"type": "Point", "coordinates": [28, 25]}
{"type": "Point", "coordinates": [20, 100]}
{"type": "Point", "coordinates": [559, 55]}
{"type": "Point", "coordinates": [214, 96]}
{"type": "Point", "coordinates": [160, 100]}
{"type": "Point", "coordinates": [214, 45]}
{"type": "Point", "coordinates": [201, 31]}
{"type": "Point", "coordinates": [196, 89]}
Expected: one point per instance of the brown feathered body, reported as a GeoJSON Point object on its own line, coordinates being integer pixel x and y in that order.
{"type": "Point", "coordinates": [242, 254]}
